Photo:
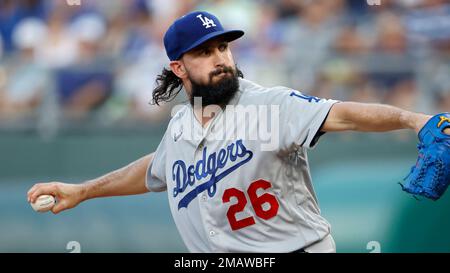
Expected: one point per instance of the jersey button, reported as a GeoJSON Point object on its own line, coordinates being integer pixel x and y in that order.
{"type": "Point", "coordinates": [204, 197]}
{"type": "Point", "coordinates": [201, 144]}
{"type": "Point", "coordinates": [212, 233]}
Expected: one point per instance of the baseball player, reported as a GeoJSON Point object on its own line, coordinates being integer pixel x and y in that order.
{"type": "Point", "coordinates": [228, 193]}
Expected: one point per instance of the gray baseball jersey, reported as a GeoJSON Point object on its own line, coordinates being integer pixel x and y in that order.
{"type": "Point", "coordinates": [227, 191]}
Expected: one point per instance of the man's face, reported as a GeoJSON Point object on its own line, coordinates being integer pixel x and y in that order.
{"type": "Point", "coordinates": [211, 72]}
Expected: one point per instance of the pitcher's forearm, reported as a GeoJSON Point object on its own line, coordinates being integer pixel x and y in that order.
{"type": "Point", "coordinates": [372, 118]}
{"type": "Point", "coordinates": [128, 180]}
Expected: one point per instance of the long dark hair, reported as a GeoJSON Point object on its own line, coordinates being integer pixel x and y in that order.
{"type": "Point", "coordinates": [168, 85]}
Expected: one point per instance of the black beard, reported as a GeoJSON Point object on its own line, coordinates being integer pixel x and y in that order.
{"type": "Point", "coordinates": [219, 93]}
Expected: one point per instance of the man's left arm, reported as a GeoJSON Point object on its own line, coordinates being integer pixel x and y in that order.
{"type": "Point", "coordinates": [366, 117]}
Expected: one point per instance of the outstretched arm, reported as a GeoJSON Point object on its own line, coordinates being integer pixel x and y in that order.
{"type": "Point", "coordinates": [128, 180]}
{"type": "Point", "coordinates": [372, 118]}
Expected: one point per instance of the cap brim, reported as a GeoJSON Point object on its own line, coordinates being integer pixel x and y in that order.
{"type": "Point", "coordinates": [229, 35]}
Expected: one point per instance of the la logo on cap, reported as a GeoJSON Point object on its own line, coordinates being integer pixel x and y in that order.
{"type": "Point", "coordinates": [207, 23]}
{"type": "Point", "coordinates": [192, 30]}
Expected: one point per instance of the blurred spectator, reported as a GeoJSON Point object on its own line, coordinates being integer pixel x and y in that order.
{"type": "Point", "coordinates": [115, 37]}
{"type": "Point", "coordinates": [287, 9]}
{"type": "Point", "coordinates": [385, 5]}
{"type": "Point", "coordinates": [392, 66]}
{"type": "Point", "coordinates": [235, 14]}
{"type": "Point", "coordinates": [59, 49]}
{"type": "Point", "coordinates": [443, 101]}
{"type": "Point", "coordinates": [440, 86]}
{"type": "Point", "coordinates": [308, 38]}
{"type": "Point", "coordinates": [391, 36]}
{"type": "Point", "coordinates": [261, 57]}
{"type": "Point", "coordinates": [365, 91]}
{"type": "Point", "coordinates": [349, 41]}
{"type": "Point", "coordinates": [268, 38]}
{"type": "Point", "coordinates": [1, 47]}
{"type": "Point", "coordinates": [9, 17]}
{"type": "Point", "coordinates": [133, 90]}
{"type": "Point", "coordinates": [134, 84]}
{"type": "Point", "coordinates": [167, 10]}
{"type": "Point", "coordinates": [87, 83]}
{"type": "Point", "coordinates": [342, 70]}
{"type": "Point", "coordinates": [12, 12]}
{"type": "Point", "coordinates": [431, 3]}
{"type": "Point", "coordinates": [105, 55]}
{"type": "Point", "coordinates": [25, 81]}
{"type": "Point", "coordinates": [403, 94]}
{"type": "Point", "coordinates": [138, 35]}
{"type": "Point", "coordinates": [429, 24]}
{"type": "Point", "coordinates": [143, 54]}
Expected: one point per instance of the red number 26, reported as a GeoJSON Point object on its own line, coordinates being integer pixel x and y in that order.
{"type": "Point", "coordinates": [256, 201]}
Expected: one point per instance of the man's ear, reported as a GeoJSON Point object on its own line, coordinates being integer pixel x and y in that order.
{"type": "Point", "coordinates": [178, 69]}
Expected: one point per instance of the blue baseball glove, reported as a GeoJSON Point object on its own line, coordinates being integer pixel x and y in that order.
{"type": "Point", "coordinates": [430, 176]}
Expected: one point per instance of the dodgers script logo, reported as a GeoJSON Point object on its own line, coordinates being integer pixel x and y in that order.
{"type": "Point", "coordinates": [209, 166]}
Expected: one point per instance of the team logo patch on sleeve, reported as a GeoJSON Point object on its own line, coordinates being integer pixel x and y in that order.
{"type": "Point", "coordinates": [305, 97]}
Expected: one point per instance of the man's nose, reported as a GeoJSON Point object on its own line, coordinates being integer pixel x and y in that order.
{"type": "Point", "coordinates": [219, 58]}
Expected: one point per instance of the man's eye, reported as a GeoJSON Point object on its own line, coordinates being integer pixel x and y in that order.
{"type": "Point", "coordinates": [222, 47]}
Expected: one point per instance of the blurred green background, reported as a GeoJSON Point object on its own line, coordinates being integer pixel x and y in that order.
{"type": "Point", "coordinates": [355, 176]}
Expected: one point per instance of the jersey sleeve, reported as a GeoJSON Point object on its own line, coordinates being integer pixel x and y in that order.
{"type": "Point", "coordinates": [156, 173]}
{"type": "Point", "coordinates": [301, 118]}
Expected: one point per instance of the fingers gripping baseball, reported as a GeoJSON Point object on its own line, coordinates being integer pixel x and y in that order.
{"type": "Point", "coordinates": [67, 195]}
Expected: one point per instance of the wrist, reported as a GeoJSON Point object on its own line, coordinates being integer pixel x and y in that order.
{"type": "Point", "coordinates": [84, 192]}
{"type": "Point", "coordinates": [414, 121]}
{"type": "Point", "coordinates": [421, 121]}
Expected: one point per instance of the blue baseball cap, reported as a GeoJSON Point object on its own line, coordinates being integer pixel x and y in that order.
{"type": "Point", "coordinates": [193, 29]}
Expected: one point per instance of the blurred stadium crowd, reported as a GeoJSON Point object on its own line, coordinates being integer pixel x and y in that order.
{"type": "Point", "coordinates": [97, 62]}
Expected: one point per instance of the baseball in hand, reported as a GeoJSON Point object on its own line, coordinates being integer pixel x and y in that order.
{"type": "Point", "coordinates": [43, 203]}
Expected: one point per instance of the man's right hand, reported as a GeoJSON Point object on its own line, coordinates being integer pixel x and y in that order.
{"type": "Point", "coordinates": [67, 195]}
